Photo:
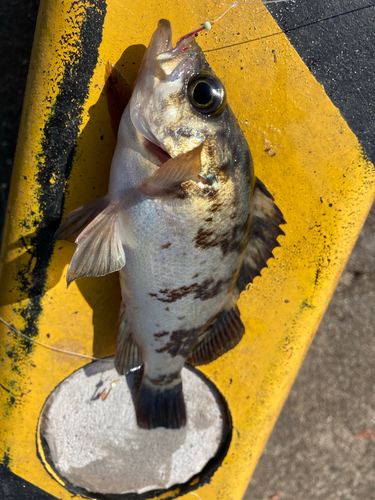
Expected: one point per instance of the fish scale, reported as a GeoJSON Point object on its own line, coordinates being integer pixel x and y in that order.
{"type": "Point", "coordinates": [185, 222]}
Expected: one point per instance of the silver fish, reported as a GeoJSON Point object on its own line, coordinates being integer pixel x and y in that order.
{"type": "Point", "coordinates": [184, 221]}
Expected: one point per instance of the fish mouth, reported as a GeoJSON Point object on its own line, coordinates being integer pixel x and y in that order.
{"type": "Point", "coordinates": [161, 64]}
{"type": "Point", "coordinates": [161, 58]}
{"type": "Point", "coordinates": [161, 40]}
{"type": "Point", "coordinates": [160, 43]}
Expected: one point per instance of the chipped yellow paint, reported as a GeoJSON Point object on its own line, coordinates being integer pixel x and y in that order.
{"type": "Point", "coordinates": [303, 151]}
{"type": "Point", "coordinates": [168, 494]}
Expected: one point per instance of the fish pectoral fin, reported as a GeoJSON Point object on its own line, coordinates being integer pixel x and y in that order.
{"type": "Point", "coordinates": [167, 179]}
{"type": "Point", "coordinates": [79, 218]}
{"type": "Point", "coordinates": [118, 94]}
{"type": "Point", "coordinates": [224, 333]}
{"type": "Point", "coordinates": [267, 219]}
{"type": "Point", "coordinates": [127, 354]}
{"type": "Point", "coordinates": [99, 251]}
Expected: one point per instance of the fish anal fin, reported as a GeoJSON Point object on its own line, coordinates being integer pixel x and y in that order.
{"type": "Point", "coordinates": [99, 251]}
{"type": "Point", "coordinates": [224, 333]}
{"type": "Point", "coordinates": [79, 218]}
{"type": "Point", "coordinates": [266, 221]}
{"type": "Point", "coordinates": [118, 94]}
{"type": "Point", "coordinates": [127, 354]}
{"type": "Point", "coordinates": [167, 179]}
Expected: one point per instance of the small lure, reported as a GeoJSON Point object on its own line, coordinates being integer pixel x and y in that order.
{"type": "Point", "coordinates": [104, 394]}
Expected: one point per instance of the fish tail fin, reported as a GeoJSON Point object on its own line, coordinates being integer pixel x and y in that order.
{"type": "Point", "coordinates": [160, 405]}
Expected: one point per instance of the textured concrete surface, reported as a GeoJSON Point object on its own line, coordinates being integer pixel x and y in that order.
{"type": "Point", "coordinates": [97, 445]}
{"type": "Point", "coordinates": [313, 453]}
{"type": "Point", "coordinates": [318, 450]}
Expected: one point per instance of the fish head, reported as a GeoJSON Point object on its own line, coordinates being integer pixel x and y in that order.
{"type": "Point", "coordinates": [178, 102]}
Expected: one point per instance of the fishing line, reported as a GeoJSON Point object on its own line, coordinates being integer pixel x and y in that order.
{"type": "Point", "coordinates": [328, 18]}
{"type": "Point", "coordinates": [225, 12]}
{"type": "Point", "coordinates": [235, 4]}
{"type": "Point", "coordinates": [207, 25]}
{"type": "Point", "coordinates": [46, 345]}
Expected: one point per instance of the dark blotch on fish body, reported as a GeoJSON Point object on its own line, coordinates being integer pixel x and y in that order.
{"type": "Point", "coordinates": [180, 342]}
{"type": "Point", "coordinates": [215, 207]}
{"type": "Point", "coordinates": [177, 293]}
{"type": "Point", "coordinates": [231, 241]}
{"type": "Point", "coordinates": [161, 334]}
{"type": "Point", "coordinates": [213, 195]}
{"type": "Point", "coordinates": [204, 291]}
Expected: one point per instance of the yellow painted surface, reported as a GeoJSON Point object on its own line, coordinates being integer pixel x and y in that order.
{"type": "Point", "coordinates": [303, 151]}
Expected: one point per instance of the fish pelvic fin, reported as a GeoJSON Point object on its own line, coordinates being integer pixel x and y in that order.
{"type": "Point", "coordinates": [160, 405]}
{"type": "Point", "coordinates": [223, 333]}
{"type": "Point", "coordinates": [127, 354]}
{"type": "Point", "coordinates": [118, 94]}
{"type": "Point", "coordinates": [79, 218]}
{"type": "Point", "coordinates": [167, 179]}
{"type": "Point", "coordinates": [99, 251]}
{"type": "Point", "coordinates": [267, 219]}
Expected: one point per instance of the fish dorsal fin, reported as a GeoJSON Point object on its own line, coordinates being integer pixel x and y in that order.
{"type": "Point", "coordinates": [167, 179]}
{"type": "Point", "coordinates": [79, 218]}
{"type": "Point", "coordinates": [99, 251]}
{"type": "Point", "coordinates": [224, 333]}
{"type": "Point", "coordinates": [127, 354]}
{"type": "Point", "coordinates": [118, 94]}
{"type": "Point", "coordinates": [266, 221]}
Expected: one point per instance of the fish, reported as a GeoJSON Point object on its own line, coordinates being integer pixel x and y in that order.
{"type": "Point", "coordinates": [185, 222]}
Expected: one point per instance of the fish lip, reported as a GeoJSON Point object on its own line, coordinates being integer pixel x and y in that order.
{"type": "Point", "coordinates": [163, 37]}
{"type": "Point", "coordinates": [161, 41]}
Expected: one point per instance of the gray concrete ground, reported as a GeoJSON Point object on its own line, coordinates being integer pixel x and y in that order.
{"type": "Point", "coordinates": [318, 450]}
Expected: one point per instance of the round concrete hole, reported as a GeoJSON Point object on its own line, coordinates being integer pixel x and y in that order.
{"type": "Point", "coordinates": [95, 447]}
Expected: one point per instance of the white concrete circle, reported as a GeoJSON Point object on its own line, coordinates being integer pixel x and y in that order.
{"type": "Point", "coordinates": [96, 444]}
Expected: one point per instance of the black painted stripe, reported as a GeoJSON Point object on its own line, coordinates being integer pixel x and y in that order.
{"type": "Point", "coordinates": [55, 161]}
{"type": "Point", "coordinates": [335, 41]}
{"type": "Point", "coordinates": [13, 487]}
{"type": "Point", "coordinates": [58, 145]}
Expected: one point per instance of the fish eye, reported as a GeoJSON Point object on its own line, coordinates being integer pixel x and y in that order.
{"type": "Point", "coordinates": [207, 94]}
